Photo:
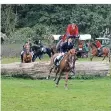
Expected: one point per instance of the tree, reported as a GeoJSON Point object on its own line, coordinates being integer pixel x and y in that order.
{"type": "Point", "coordinates": [7, 19]}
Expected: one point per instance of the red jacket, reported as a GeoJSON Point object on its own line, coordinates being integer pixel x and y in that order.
{"type": "Point", "coordinates": [98, 44]}
{"type": "Point", "coordinates": [70, 31]}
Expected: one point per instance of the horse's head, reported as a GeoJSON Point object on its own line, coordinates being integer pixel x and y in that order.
{"type": "Point", "coordinates": [72, 52]}
{"type": "Point", "coordinates": [92, 45]}
{"type": "Point", "coordinates": [71, 59]}
{"type": "Point", "coordinates": [71, 55]}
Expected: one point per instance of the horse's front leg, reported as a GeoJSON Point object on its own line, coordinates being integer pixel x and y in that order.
{"type": "Point", "coordinates": [91, 57]}
{"type": "Point", "coordinates": [34, 58]}
{"type": "Point", "coordinates": [66, 80]}
{"type": "Point", "coordinates": [103, 57]}
{"type": "Point", "coordinates": [31, 59]}
{"type": "Point", "coordinates": [23, 61]}
{"type": "Point", "coordinates": [57, 82]}
{"type": "Point", "coordinates": [50, 72]}
{"type": "Point", "coordinates": [57, 71]}
{"type": "Point", "coordinates": [109, 56]}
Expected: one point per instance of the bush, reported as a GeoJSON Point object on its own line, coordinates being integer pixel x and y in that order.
{"type": "Point", "coordinates": [23, 34]}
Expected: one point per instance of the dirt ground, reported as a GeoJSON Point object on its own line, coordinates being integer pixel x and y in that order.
{"type": "Point", "coordinates": [41, 69]}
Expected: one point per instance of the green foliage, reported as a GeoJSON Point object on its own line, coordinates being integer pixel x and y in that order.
{"type": "Point", "coordinates": [7, 19]}
{"type": "Point", "coordinates": [23, 34]}
{"type": "Point", "coordinates": [53, 19]}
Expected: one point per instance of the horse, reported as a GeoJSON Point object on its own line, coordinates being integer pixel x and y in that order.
{"type": "Point", "coordinates": [53, 50]}
{"type": "Point", "coordinates": [27, 56]}
{"type": "Point", "coordinates": [67, 64]}
{"type": "Point", "coordinates": [105, 51]}
{"type": "Point", "coordinates": [39, 51]}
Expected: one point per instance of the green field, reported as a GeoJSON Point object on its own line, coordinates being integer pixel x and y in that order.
{"type": "Point", "coordinates": [42, 95]}
{"type": "Point", "coordinates": [6, 60]}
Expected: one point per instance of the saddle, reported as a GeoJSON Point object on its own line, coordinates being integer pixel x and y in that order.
{"type": "Point", "coordinates": [58, 59]}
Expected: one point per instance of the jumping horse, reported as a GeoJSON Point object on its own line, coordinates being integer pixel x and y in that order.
{"type": "Point", "coordinates": [67, 64]}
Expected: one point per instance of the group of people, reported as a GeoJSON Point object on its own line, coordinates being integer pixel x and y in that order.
{"type": "Point", "coordinates": [67, 41]}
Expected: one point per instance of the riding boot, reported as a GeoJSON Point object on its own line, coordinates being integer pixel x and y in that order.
{"type": "Point", "coordinates": [56, 62]}
{"type": "Point", "coordinates": [99, 53]}
{"type": "Point", "coordinates": [21, 57]}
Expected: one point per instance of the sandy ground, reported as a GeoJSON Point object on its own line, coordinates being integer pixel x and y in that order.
{"type": "Point", "coordinates": [41, 69]}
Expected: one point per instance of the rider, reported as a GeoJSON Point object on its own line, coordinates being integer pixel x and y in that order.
{"type": "Point", "coordinates": [26, 45]}
{"type": "Point", "coordinates": [71, 31]}
{"type": "Point", "coordinates": [98, 44]}
{"type": "Point", "coordinates": [67, 45]}
{"type": "Point", "coordinates": [67, 42]}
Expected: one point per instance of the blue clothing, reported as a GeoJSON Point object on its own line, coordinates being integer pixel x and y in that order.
{"type": "Point", "coordinates": [65, 47]}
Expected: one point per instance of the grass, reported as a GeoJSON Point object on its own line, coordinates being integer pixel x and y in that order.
{"type": "Point", "coordinates": [6, 60]}
{"type": "Point", "coordinates": [42, 95]}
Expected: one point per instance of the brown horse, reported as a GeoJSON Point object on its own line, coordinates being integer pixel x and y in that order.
{"type": "Point", "coordinates": [27, 56]}
{"type": "Point", "coordinates": [67, 64]}
{"type": "Point", "coordinates": [94, 51]}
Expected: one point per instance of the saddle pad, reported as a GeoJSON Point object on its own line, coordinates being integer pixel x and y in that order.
{"type": "Point", "coordinates": [59, 58]}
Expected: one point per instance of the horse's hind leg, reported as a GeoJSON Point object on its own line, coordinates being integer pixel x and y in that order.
{"type": "Point", "coordinates": [109, 56]}
{"type": "Point", "coordinates": [57, 82]}
{"type": "Point", "coordinates": [103, 58]}
{"type": "Point", "coordinates": [91, 57]}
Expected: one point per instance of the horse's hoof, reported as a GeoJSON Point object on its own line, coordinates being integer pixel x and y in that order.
{"type": "Point", "coordinates": [54, 79]}
{"type": "Point", "coordinates": [66, 88]}
{"type": "Point", "coordinates": [48, 77]}
{"type": "Point", "coordinates": [56, 85]}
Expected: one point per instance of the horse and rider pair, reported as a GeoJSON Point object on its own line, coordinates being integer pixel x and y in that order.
{"type": "Point", "coordinates": [27, 53]}
{"type": "Point", "coordinates": [64, 60]}
{"type": "Point", "coordinates": [67, 41]}
{"type": "Point", "coordinates": [30, 53]}
{"type": "Point", "coordinates": [98, 50]}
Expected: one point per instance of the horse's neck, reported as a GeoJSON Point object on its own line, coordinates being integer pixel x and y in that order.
{"type": "Point", "coordinates": [27, 51]}
{"type": "Point", "coordinates": [66, 57]}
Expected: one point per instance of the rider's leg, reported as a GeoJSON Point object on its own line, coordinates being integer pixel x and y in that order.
{"type": "Point", "coordinates": [99, 52]}
{"type": "Point", "coordinates": [22, 56]}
